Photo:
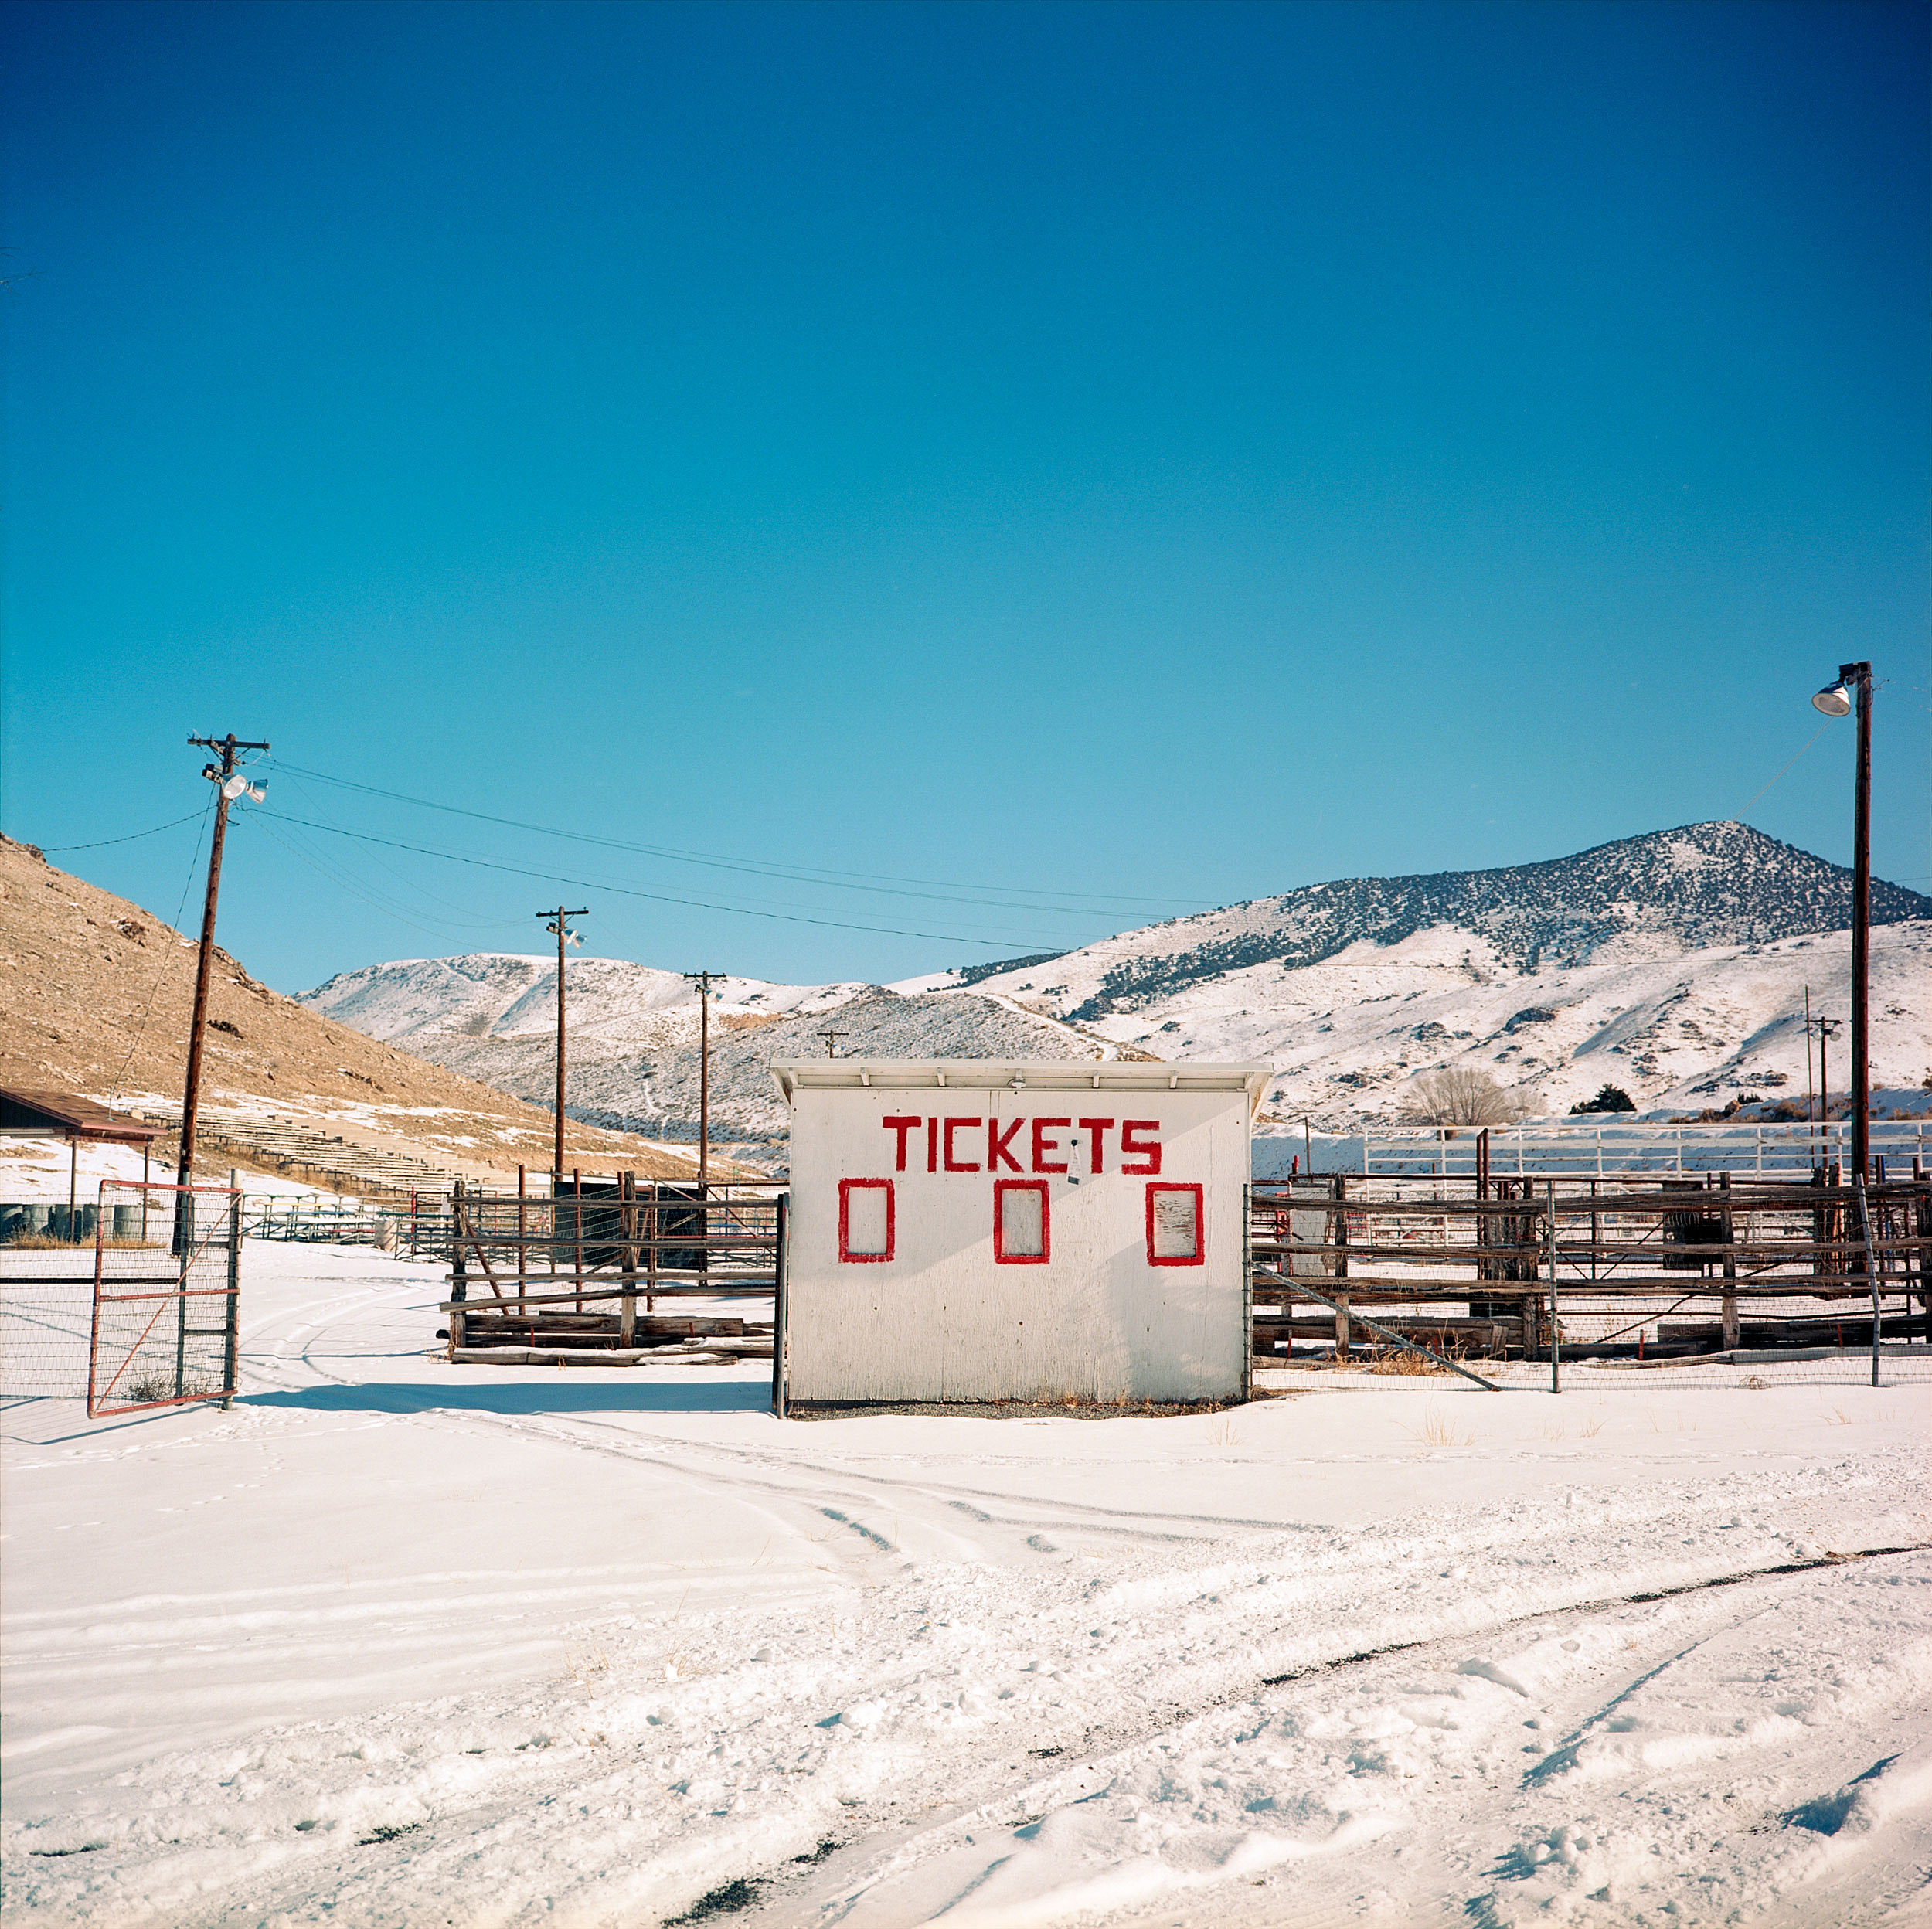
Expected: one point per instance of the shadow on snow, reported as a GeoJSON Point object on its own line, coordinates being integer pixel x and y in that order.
{"type": "Point", "coordinates": [525, 1396]}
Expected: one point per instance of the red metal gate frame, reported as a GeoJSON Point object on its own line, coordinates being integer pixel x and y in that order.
{"type": "Point", "coordinates": [174, 1292]}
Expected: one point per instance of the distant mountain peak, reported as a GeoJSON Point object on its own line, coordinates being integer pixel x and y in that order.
{"type": "Point", "coordinates": [1721, 882]}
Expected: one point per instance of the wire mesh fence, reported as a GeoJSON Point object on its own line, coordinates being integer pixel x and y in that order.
{"type": "Point", "coordinates": [47, 1272]}
{"type": "Point", "coordinates": [167, 1281]}
{"type": "Point", "coordinates": [46, 1318]}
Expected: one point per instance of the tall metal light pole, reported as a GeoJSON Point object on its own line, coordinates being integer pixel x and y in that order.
{"type": "Point", "coordinates": [1835, 700]}
{"type": "Point", "coordinates": [560, 923]}
{"type": "Point", "coordinates": [230, 784]}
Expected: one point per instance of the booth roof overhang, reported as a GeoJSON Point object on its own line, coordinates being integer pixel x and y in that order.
{"type": "Point", "coordinates": [1019, 1074]}
{"type": "Point", "coordinates": [32, 1115]}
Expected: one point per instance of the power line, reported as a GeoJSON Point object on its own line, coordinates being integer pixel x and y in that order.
{"type": "Point", "coordinates": [1789, 761]}
{"type": "Point", "coordinates": [160, 968]}
{"type": "Point", "coordinates": [346, 882]}
{"type": "Point", "coordinates": [884, 884]}
{"type": "Point", "coordinates": [656, 897]}
{"type": "Point", "coordinates": [431, 923]}
{"type": "Point", "coordinates": [132, 838]}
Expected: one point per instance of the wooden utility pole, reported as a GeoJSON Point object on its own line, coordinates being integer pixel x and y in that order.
{"type": "Point", "coordinates": [703, 981]}
{"type": "Point", "coordinates": [1861, 929]}
{"type": "Point", "coordinates": [832, 1040]}
{"type": "Point", "coordinates": [1826, 1026]}
{"type": "Point", "coordinates": [1853, 688]}
{"type": "Point", "coordinates": [1807, 1058]}
{"type": "Point", "coordinates": [228, 785]}
{"type": "Point", "coordinates": [560, 924]}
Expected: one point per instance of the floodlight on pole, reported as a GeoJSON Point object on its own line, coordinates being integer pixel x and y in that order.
{"type": "Point", "coordinates": [1835, 700]}
{"type": "Point", "coordinates": [225, 776]}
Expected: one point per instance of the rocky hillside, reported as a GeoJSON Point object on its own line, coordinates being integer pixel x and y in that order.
{"type": "Point", "coordinates": [635, 1031]}
{"type": "Point", "coordinates": [1654, 897]}
{"type": "Point", "coordinates": [95, 994]}
{"type": "Point", "coordinates": [1675, 965]}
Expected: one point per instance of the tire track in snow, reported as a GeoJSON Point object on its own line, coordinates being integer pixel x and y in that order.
{"type": "Point", "coordinates": [877, 1877]}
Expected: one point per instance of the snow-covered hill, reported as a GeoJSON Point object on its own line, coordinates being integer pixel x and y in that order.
{"type": "Point", "coordinates": [1675, 965]}
{"type": "Point", "coordinates": [1349, 1035]}
{"type": "Point", "coordinates": [634, 1031]}
{"type": "Point", "coordinates": [1657, 895]}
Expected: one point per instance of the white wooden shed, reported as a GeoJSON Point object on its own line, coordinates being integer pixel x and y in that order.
{"type": "Point", "coordinates": [971, 1230]}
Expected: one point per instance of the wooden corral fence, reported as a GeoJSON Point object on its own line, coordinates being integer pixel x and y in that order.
{"type": "Point", "coordinates": [1629, 1265]}
{"type": "Point", "coordinates": [614, 1272]}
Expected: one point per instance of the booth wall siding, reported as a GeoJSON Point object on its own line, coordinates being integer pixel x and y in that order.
{"type": "Point", "coordinates": [1095, 1298]}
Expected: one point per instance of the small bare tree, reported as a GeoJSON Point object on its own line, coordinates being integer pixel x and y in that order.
{"type": "Point", "coordinates": [1460, 1095]}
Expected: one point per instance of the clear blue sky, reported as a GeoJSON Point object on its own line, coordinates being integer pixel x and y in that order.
{"type": "Point", "coordinates": [1161, 454]}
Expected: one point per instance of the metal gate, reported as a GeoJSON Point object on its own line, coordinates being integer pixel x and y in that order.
{"type": "Point", "coordinates": [167, 1290]}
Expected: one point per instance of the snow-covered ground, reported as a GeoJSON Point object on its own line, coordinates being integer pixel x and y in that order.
{"type": "Point", "coordinates": [36, 1171]}
{"type": "Point", "coordinates": [393, 1643]}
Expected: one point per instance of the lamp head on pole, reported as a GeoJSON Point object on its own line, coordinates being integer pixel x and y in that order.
{"type": "Point", "coordinates": [1835, 698]}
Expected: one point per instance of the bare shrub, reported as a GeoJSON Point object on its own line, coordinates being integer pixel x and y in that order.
{"type": "Point", "coordinates": [1460, 1095]}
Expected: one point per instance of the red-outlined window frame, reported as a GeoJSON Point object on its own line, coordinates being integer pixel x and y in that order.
{"type": "Point", "coordinates": [846, 1255]}
{"type": "Point", "coordinates": [1001, 1256]}
{"type": "Point", "coordinates": [1200, 1222]}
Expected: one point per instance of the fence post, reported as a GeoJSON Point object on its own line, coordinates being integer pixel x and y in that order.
{"type": "Point", "coordinates": [1549, 1248]}
{"type": "Point", "coordinates": [576, 1196]}
{"type": "Point", "coordinates": [653, 1225]}
{"type": "Point", "coordinates": [459, 1279]}
{"type": "Point", "coordinates": [231, 1346]}
{"type": "Point", "coordinates": [1341, 1258]}
{"type": "Point", "coordinates": [1871, 1270]}
{"type": "Point", "coordinates": [1247, 1292]}
{"type": "Point", "coordinates": [187, 1258]}
{"type": "Point", "coordinates": [779, 1260]}
{"type": "Point", "coordinates": [628, 1317]}
{"type": "Point", "coordinates": [1728, 1304]}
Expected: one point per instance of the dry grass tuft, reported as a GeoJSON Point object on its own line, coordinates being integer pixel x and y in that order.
{"type": "Point", "coordinates": [1437, 1429]}
{"type": "Point", "coordinates": [585, 1661]}
{"type": "Point", "coordinates": [1400, 1361]}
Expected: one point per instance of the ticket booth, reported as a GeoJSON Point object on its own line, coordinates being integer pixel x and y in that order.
{"type": "Point", "coordinates": [971, 1230]}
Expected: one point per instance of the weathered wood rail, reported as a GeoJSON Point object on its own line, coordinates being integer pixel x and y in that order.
{"type": "Point", "coordinates": [576, 1277]}
{"type": "Point", "coordinates": [1474, 1265]}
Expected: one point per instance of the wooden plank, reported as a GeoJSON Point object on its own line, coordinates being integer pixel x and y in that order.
{"type": "Point", "coordinates": [540, 1356]}
{"type": "Point", "coordinates": [650, 1326]}
{"type": "Point", "coordinates": [617, 1293]}
{"type": "Point", "coordinates": [627, 1316]}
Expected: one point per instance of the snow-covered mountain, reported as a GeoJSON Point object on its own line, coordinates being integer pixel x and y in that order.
{"type": "Point", "coordinates": [634, 1032]}
{"type": "Point", "coordinates": [1675, 965]}
{"type": "Point", "coordinates": [1348, 1036]}
{"type": "Point", "coordinates": [1657, 895]}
